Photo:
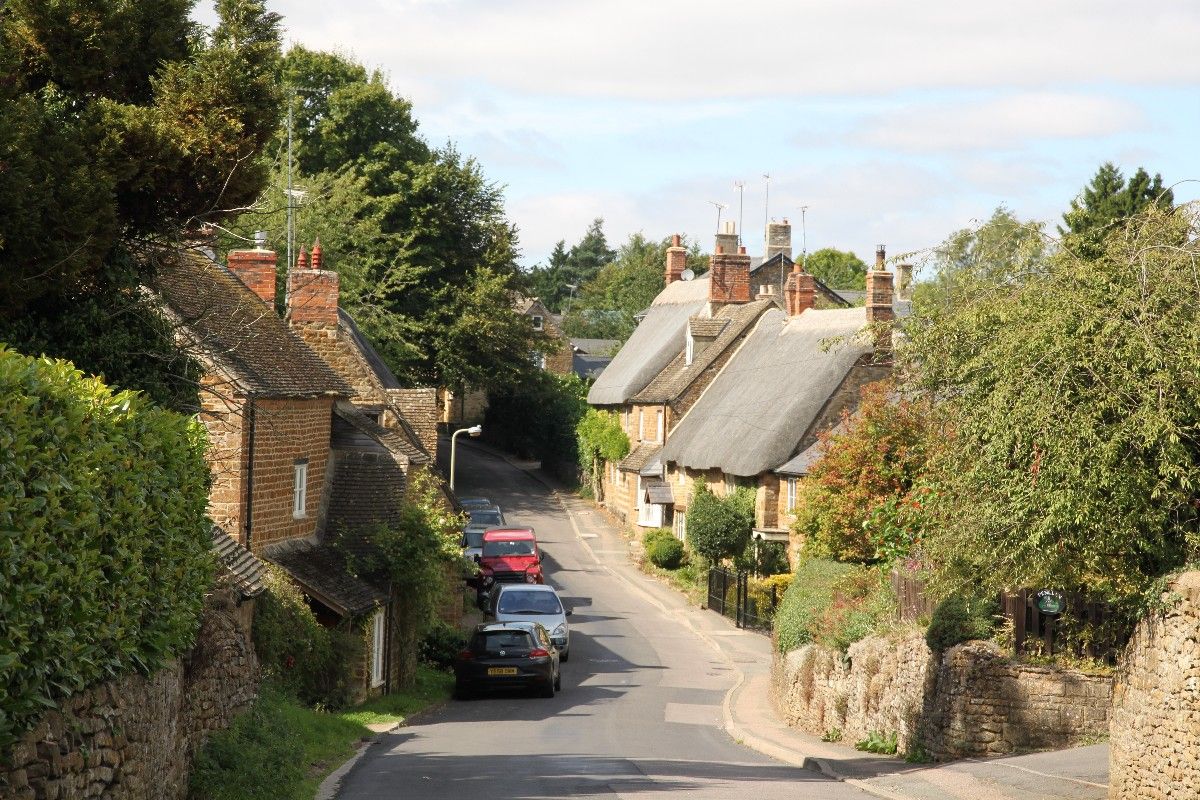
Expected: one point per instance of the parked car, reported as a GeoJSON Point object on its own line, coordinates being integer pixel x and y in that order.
{"type": "Point", "coordinates": [471, 503]}
{"type": "Point", "coordinates": [487, 516]}
{"type": "Point", "coordinates": [472, 540]}
{"type": "Point", "coordinates": [500, 656]}
{"type": "Point", "coordinates": [510, 555]}
{"type": "Point", "coordinates": [534, 603]}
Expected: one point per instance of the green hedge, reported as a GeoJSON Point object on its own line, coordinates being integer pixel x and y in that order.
{"type": "Point", "coordinates": [104, 543]}
{"type": "Point", "coordinates": [832, 604]}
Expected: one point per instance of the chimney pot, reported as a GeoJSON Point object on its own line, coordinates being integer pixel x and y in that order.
{"type": "Point", "coordinates": [742, 250]}
{"type": "Point", "coordinates": [880, 257]}
{"type": "Point", "coordinates": [675, 241]}
{"type": "Point", "coordinates": [316, 253]}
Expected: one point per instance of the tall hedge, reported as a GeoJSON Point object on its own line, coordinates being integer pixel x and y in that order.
{"type": "Point", "coordinates": [104, 544]}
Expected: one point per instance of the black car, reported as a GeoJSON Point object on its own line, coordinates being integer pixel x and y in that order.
{"type": "Point", "coordinates": [504, 656]}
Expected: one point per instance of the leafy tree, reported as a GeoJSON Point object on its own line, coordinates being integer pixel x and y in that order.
{"type": "Point", "coordinates": [1108, 201]}
{"type": "Point", "coordinates": [601, 438]}
{"type": "Point", "coordinates": [546, 283]}
{"type": "Point", "coordinates": [720, 527]}
{"type": "Point", "coordinates": [608, 304]}
{"type": "Point", "coordinates": [837, 269]}
{"type": "Point", "coordinates": [1073, 456]}
{"type": "Point", "coordinates": [538, 419]}
{"type": "Point", "coordinates": [876, 460]}
{"type": "Point", "coordinates": [575, 267]}
{"type": "Point", "coordinates": [122, 124]}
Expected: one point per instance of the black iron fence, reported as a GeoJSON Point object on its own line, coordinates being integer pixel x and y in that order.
{"type": "Point", "coordinates": [742, 599]}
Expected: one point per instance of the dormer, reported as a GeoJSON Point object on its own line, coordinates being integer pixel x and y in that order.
{"type": "Point", "coordinates": [702, 332]}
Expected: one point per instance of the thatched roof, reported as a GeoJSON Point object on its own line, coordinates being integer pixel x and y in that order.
{"type": "Point", "coordinates": [757, 411]}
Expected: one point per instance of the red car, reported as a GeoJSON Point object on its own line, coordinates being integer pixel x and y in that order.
{"type": "Point", "coordinates": [510, 555]}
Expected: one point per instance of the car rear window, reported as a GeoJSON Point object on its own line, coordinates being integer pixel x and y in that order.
{"type": "Point", "coordinates": [508, 547]}
{"type": "Point", "coordinates": [487, 517]}
{"type": "Point", "coordinates": [516, 601]}
{"type": "Point", "coordinates": [495, 641]}
{"type": "Point", "coordinates": [473, 539]}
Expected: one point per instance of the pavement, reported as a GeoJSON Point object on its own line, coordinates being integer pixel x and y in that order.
{"type": "Point", "coordinates": [749, 716]}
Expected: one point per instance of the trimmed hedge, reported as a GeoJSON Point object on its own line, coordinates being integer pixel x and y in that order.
{"type": "Point", "coordinates": [959, 619]}
{"type": "Point", "coordinates": [666, 553]}
{"type": "Point", "coordinates": [104, 542]}
{"type": "Point", "coordinates": [832, 604]}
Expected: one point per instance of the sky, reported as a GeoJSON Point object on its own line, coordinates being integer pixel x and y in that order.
{"type": "Point", "coordinates": [886, 122]}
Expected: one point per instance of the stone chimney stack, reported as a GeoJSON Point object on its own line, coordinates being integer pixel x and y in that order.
{"type": "Point", "coordinates": [676, 261]}
{"type": "Point", "coordinates": [312, 293]}
{"type": "Point", "coordinates": [727, 239]}
{"type": "Point", "coordinates": [779, 239]}
{"type": "Point", "coordinates": [256, 269]}
{"type": "Point", "coordinates": [729, 278]}
{"type": "Point", "coordinates": [879, 299]}
{"type": "Point", "coordinates": [800, 291]}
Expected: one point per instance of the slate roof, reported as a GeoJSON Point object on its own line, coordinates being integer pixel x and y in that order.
{"type": "Point", "coordinates": [640, 456]}
{"type": "Point", "coordinates": [678, 374]}
{"type": "Point", "coordinates": [320, 570]}
{"type": "Point", "coordinates": [353, 429]}
{"type": "Point", "coordinates": [594, 347]}
{"type": "Point", "coordinates": [229, 325]}
{"type": "Point", "coordinates": [758, 263]}
{"type": "Point", "coordinates": [658, 491]}
{"type": "Point", "coordinates": [755, 413]}
{"type": "Point", "coordinates": [657, 339]}
{"type": "Point", "coordinates": [238, 564]}
{"type": "Point", "coordinates": [590, 367]}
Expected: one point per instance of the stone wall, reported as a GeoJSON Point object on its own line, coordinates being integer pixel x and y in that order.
{"type": "Point", "coordinates": [133, 738]}
{"type": "Point", "coordinates": [1155, 744]}
{"type": "Point", "coordinates": [973, 701]}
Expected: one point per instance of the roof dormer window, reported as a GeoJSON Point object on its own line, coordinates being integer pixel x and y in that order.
{"type": "Point", "coordinates": [537, 322]}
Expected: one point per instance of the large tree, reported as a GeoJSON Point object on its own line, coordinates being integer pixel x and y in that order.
{"type": "Point", "coordinates": [418, 234]}
{"type": "Point", "coordinates": [1107, 201]}
{"type": "Point", "coordinates": [566, 271]}
{"type": "Point", "coordinates": [837, 269]}
{"type": "Point", "coordinates": [122, 125]}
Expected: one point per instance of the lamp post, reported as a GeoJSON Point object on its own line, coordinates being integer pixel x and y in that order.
{"type": "Point", "coordinates": [473, 432]}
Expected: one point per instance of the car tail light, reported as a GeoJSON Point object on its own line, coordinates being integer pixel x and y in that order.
{"type": "Point", "coordinates": [466, 655]}
{"type": "Point", "coordinates": [531, 576]}
{"type": "Point", "coordinates": [538, 652]}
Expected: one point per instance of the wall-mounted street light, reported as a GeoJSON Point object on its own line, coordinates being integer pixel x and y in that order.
{"type": "Point", "coordinates": [473, 432]}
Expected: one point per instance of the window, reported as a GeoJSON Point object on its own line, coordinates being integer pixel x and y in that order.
{"type": "Point", "coordinates": [680, 526]}
{"type": "Point", "coordinates": [378, 641]}
{"type": "Point", "coordinates": [537, 322]}
{"type": "Point", "coordinates": [690, 353]}
{"type": "Point", "coordinates": [730, 484]}
{"type": "Point", "coordinates": [641, 423]}
{"type": "Point", "coordinates": [300, 490]}
{"type": "Point", "coordinates": [682, 476]}
{"type": "Point", "coordinates": [650, 515]}
{"type": "Point", "coordinates": [791, 496]}
{"type": "Point", "coordinates": [660, 433]}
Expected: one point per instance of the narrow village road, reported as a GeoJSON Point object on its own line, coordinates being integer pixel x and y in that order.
{"type": "Point", "coordinates": [639, 715]}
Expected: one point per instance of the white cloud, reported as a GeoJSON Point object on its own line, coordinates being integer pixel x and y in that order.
{"type": "Point", "coordinates": [1004, 122]}
{"type": "Point", "coordinates": [683, 49]}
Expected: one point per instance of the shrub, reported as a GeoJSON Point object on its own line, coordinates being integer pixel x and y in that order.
{"type": "Point", "coordinates": [959, 619]}
{"type": "Point", "coordinates": [763, 558]}
{"type": "Point", "coordinates": [104, 542]}
{"type": "Point", "coordinates": [297, 653]}
{"type": "Point", "coordinates": [719, 527]}
{"type": "Point", "coordinates": [440, 644]}
{"type": "Point", "coordinates": [832, 604]}
{"type": "Point", "coordinates": [666, 552]}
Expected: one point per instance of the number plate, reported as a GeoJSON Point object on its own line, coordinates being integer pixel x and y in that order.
{"type": "Point", "coordinates": [502, 670]}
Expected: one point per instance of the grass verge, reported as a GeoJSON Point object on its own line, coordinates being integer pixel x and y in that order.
{"type": "Point", "coordinates": [281, 750]}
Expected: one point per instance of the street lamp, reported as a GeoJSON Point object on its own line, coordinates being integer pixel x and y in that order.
{"type": "Point", "coordinates": [473, 432]}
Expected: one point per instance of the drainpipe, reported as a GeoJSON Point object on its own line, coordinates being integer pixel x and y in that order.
{"type": "Point", "coordinates": [248, 517]}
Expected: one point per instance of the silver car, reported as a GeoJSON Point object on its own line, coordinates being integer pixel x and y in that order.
{"type": "Point", "coordinates": [534, 602]}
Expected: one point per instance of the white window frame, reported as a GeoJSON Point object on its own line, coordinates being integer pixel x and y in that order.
{"type": "Point", "coordinates": [730, 483]}
{"type": "Point", "coordinates": [690, 350]}
{"type": "Point", "coordinates": [792, 486]}
{"type": "Point", "coordinates": [682, 476]}
{"type": "Point", "coordinates": [538, 322]}
{"type": "Point", "coordinates": [650, 515]}
{"type": "Point", "coordinates": [641, 423]}
{"type": "Point", "coordinates": [300, 489]}
{"type": "Point", "coordinates": [679, 527]}
{"type": "Point", "coordinates": [378, 642]}
{"type": "Point", "coordinates": [660, 426]}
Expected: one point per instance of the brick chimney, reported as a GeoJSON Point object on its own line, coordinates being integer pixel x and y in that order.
{"type": "Point", "coordinates": [879, 301]}
{"type": "Point", "coordinates": [676, 261]}
{"type": "Point", "coordinates": [729, 277]}
{"type": "Point", "coordinates": [779, 239]}
{"type": "Point", "coordinates": [800, 291]}
{"type": "Point", "coordinates": [312, 293]}
{"type": "Point", "coordinates": [256, 269]}
{"type": "Point", "coordinates": [727, 239]}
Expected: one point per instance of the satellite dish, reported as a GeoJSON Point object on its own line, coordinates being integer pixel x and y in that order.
{"type": "Point", "coordinates": [687, 275]}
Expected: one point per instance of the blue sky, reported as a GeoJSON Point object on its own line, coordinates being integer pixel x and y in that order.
{"type": "Point", "coordinates": [891, 122]}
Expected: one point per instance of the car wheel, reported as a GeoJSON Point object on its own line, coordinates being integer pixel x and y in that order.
{"type": "Point", "coordinates": [548, 689]}
{"type": "Point", "coordinates": [563, 656]}
{"type": "Point", "coordinates": [462, 692]}
{"type": "Point", "coordinates": [558, 682]}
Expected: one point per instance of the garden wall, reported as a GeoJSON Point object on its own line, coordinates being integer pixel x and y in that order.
{"type": "Point", "coordinates": [1155, 744]}
{"type": "Point", "coordinates": [973, 701]}
{"type": "Point", "coordinates": [133, 738]}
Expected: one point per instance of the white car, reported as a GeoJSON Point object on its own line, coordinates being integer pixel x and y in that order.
{"type": "Point", "coordinates": [534, 602]}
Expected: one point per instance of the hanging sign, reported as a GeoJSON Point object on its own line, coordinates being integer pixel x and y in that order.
{"type": "Point", "coordinates": [1050, 602]}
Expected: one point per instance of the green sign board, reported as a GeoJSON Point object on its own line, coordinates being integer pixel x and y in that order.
{"type": "Point", "coordinates": [1050, 602]}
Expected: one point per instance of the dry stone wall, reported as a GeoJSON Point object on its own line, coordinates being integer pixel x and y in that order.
{"type": "Point", "coordinates": [973, 701]}
{"type": "Point", "coordinates": [134, 738]}
{"type": "Point", "coordinates": [1155, 744]}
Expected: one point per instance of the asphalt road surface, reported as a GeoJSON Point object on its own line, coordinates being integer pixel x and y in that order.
{"type": "Point", "coordinates": [639, 714]}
